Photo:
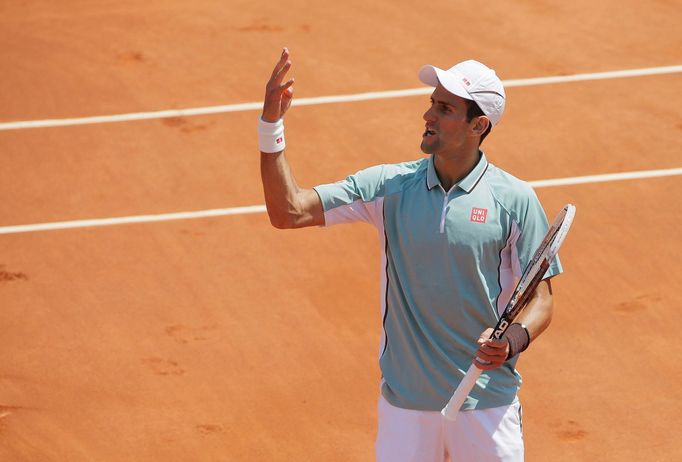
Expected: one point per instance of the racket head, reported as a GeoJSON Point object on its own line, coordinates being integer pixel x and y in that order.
{"type": "Point", "coordinates": [536, 268]}
{"type": "Point", "coordinates": [555, 236]}
{"type": "Point", "coordinates": [564, 226]}
{"type": "Point", "coordinates": [550, 244]}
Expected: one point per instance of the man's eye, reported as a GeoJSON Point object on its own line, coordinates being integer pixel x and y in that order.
{"type": "Point", "coordinates": [444, 108]}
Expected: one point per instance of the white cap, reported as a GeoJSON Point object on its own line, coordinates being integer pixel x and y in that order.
{"type": "Point", "coordinates": [470, 80]}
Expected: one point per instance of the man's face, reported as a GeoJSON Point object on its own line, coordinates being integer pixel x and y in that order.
{"type": "Point", "coordinates": [447, 129]}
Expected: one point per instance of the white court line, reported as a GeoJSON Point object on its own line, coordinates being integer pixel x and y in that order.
{"type": "Point", "coordinates": [261, 208]}
{"type": "Point", "coordinates": [325, 99]}
{"type": "Point", "coordinates": [132, 219]}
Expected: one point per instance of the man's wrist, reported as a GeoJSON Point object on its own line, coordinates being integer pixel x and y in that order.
{"type": "Point", "coordinates": [518, 337]}
{"type": "Point", "coordinates": [271, 136]}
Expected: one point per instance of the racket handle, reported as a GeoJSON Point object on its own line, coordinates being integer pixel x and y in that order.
{"type": "Point", "coordinates": [452, 408]}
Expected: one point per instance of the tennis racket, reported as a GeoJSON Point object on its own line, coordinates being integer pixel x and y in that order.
{"type": "Point", "coordinates": [532, 275]}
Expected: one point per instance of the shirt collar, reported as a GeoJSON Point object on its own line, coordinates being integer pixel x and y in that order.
{"type": "Point", "coordinates": [468, 183]}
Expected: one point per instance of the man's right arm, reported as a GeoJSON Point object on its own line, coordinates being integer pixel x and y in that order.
{"type": "Point", "coordinates": [288, 205]}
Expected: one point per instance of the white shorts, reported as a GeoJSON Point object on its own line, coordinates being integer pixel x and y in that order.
{"type": "Point", "coordinates": [406, 435]}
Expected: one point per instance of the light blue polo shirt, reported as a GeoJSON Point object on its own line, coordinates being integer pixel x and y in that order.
{"type": "Point", "coordinates": [450, 261]}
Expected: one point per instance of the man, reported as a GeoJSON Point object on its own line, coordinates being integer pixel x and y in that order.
{"type": "Point", "coordinates": [455, 233]}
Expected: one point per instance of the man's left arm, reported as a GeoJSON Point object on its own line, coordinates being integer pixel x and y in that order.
{"type": "Point", "coordinates": [536, 317]}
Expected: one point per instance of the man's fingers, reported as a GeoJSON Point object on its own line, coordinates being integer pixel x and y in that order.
{"type": "Point", "coordinates": [287, 95]}
{"type": "Point", "coordinates": [489, 359]}
{"type": "Point", "coordinates": [284, 57]}
{"type": "Point", "coordinates": [281, 69]}
{"type": "Point", "coordinates": [486, 365]}
{"type": "Point", "coordinates": [287, 86]}
{"type": "Point", "coordinates": [491, 354]}
{"type": "Point", "coordinates": [485, 335]}
{"type": "Point", "coordinates": [281, 91]}
{"type": "Point", "coordinates": [277, 80]}
{"type": "Point", "coordinates": [278, 96]}
{"type": "Point", "coordinates": [494, 344]}
{"type": "Point", "coordinates": [483, 364]}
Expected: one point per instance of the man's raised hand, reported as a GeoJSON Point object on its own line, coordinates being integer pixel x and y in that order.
{"type": "Point", "coordinates": [278, 95]}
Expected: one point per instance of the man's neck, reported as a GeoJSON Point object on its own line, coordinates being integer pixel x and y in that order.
{"type": "Point", "coordinates": [453, 167]}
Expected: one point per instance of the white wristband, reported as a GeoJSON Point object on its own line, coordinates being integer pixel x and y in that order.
{"type": "Point", "coordinates": [271, 136]}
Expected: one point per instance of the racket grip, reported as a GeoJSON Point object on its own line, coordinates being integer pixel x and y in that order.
{"type": "Point", "coordinates": [452, 408]}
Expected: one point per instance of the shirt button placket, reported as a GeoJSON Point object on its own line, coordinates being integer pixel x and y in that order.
{"type": "Point", "coordinates": [443, 212]}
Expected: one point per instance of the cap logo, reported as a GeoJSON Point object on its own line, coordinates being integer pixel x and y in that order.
{"type": "Point", "coordinates": [466, 81]}
{"type": "Point", "coordinates": [479, 215]}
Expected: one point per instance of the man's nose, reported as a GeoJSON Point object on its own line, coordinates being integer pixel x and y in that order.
{"type": "Point", "coordinates": [428, 115]}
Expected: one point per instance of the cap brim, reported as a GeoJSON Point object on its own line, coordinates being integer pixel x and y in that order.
{"type": "Point", "coordinates": [432, 76]}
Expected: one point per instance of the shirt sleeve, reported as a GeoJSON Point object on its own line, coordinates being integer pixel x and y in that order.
{"type": "Point", "coordinates": [359, 197]}
{"type": "Point", "coordinates": [533, 228]}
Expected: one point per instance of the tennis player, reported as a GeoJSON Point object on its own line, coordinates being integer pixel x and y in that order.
{"type": "Point", "coordinates": [455, 232]}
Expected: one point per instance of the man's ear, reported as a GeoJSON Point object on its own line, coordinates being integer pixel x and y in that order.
{"type": "Point", "coordinates": [480, 125]}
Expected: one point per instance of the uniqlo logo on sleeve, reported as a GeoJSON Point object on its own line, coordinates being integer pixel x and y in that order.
{"type": "Point", "coordinates": [279, 140]}
{"type": "Point", "coordinates": [479, 215]}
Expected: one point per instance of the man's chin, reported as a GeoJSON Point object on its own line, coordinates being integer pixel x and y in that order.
{"type": "Point", "coordinates": [427, 148]}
